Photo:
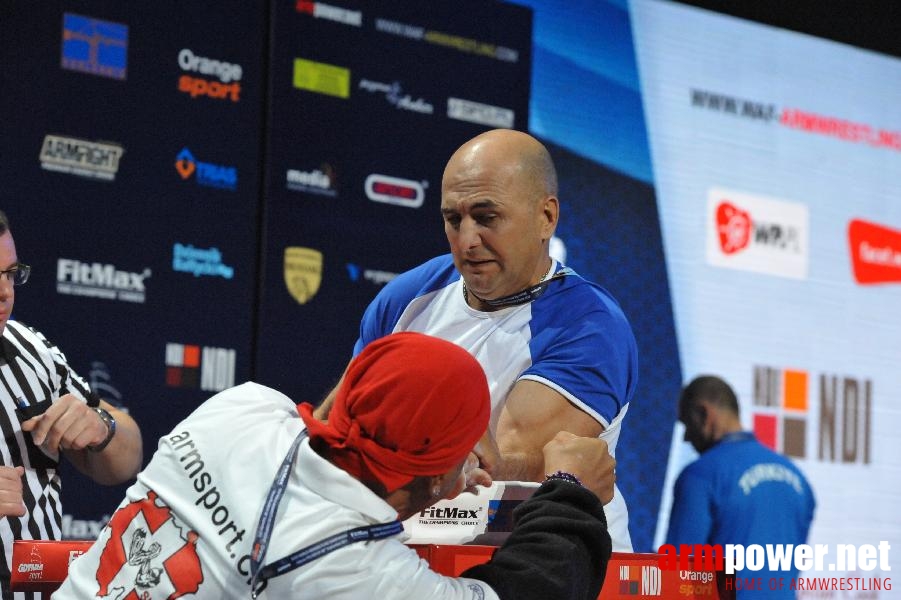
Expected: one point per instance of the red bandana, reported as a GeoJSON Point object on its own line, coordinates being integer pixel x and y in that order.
{"type": "Point", "coordinates": [410, 405]}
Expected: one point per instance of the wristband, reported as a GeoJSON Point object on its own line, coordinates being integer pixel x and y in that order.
{"type": "Point", "coordinates": [563, 476]}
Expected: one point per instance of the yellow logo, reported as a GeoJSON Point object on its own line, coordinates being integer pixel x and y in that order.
{"type": "Point", "coordinates": [321, 78]}
{"type": "Point", "coordinates": [303, 272]}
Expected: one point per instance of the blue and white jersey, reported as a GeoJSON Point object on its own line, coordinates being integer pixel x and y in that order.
{"type": "Point", "coordinates": [574, 338]}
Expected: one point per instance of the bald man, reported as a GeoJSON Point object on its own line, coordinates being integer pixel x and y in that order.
{"type": "Point", "coordinates": [558, 351]}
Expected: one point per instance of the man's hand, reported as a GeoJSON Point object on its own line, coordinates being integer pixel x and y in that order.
{"type": "Point", "coordinates": [11, 503]}
{"type": "Point", "coordinates": [481, 463]}
{"type": "Point", "coordinates": [586, 458]}
{"type": "Point", "coordinates": [69, 424]}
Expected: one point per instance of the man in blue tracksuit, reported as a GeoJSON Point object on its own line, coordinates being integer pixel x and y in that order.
{"type": "Point", "coordinates": [738, 491]}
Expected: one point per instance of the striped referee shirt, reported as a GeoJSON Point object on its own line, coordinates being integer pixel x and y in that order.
{"type": "Point", "coordinates": [32, 370]}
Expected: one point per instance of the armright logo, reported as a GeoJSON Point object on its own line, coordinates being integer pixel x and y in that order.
{"type": "Point", "coordinates": [394, 190]}
{"type": "Point", "coordinates": [757, 233]}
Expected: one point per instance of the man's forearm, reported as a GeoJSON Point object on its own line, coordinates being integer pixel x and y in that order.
{"type": "Point", "coordinates": [520, 466]}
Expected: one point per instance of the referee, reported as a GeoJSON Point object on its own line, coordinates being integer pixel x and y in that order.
{"type": "Point", "coordinates": [46, 410]}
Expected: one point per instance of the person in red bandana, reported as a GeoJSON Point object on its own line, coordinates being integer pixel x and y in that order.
{"type": "Point", "coordinates": [243, 498]}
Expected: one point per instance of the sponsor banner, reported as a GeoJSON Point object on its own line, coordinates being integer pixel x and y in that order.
{"type": "Point", "coordinates": [204, 173]}
{"type": "Point", "coordinates": [206, 368]}
{"type": "Point", "coordinates": [321, 78]}
{"type": "Point", "coordinates": [228, 86]}
{"type": "Point", "coordinates": [94, 46]}
{"type": "Point", "coordinates": [446, 40]}
{"type": "Point", "coordinates": [875, 252]}
{"type": "Point", "coordinates": [395, 96]}
{"type": "Point", "coordinates": [803, 120]}
{"type": "Point", "coordinates": [358, 273]}
{"type": "Point", "coordinates": [330, 12]}
{"type": "Point", "coordinates": [200, 261]}
{"type": "Point", "coordinates": [756, 233]}
{"type": "Point", "coordinates": [302, 272]}
{"type": "Point", "coordinates": [394, 190]}
{"type": "Point", "coordinates": [94, 160]}
{"type": "Point", "coordinates": [99, 280]}
{"type": "Point", "coordinates": [482, 114]}
{"type": "Point", "coordinates": [837, 427]}
{"type": "Point", "coordinates": [322, 181]}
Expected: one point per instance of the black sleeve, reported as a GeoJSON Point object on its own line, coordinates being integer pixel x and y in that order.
{"type": "Point", "coordinates": [558, 549]}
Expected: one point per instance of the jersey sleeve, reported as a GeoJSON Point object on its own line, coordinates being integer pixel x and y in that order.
{"type": "Point", "coordinates": [590, 358]}
{"type": "Point", "coordinates": [384, 312]}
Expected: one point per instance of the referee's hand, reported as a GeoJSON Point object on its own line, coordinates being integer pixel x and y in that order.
{"type": "Point", "coordinates": [11, 503]}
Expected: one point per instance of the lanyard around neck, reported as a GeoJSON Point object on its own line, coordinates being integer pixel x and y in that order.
{"type": "Point", "coordinates": [261, 574]}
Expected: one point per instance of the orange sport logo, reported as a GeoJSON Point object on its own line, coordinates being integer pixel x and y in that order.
{"type": "Point", "coordinates": [209, 77]}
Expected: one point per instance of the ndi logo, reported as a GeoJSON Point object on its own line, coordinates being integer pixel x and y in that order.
{"type": "Point", "coordinates": [637, 580]}
{"type": "Point", "coordinates": [842, 423]}
{"type": "Point", "coordinates": [210, 369]}
{"type": "Point", "coordinates": [207, 174]}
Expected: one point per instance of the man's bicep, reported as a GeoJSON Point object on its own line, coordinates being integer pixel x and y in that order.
{"type": "Point", "coordinates": [533, 414]}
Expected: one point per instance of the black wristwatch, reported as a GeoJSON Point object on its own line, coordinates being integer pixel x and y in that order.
{"type": "Point", "coordinates": [111, 429]}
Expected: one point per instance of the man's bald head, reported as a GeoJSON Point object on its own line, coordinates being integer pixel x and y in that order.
{"type": "Point", "coordinates": [517, 154]}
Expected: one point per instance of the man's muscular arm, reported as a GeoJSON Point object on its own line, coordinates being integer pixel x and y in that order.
{"type": "Point", "coordinates": [531, 417]}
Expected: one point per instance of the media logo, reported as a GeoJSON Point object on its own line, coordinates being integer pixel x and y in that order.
{"type": "Point", "coordinates": [875, 252]}
{"type": "Point", "coordinates": [322, 181]}
{"type": "Point", "coordinates": [640, 580]}
{"type": "Point", "coordinates": [207, 174]}
{"type": "Point", "coordinates": [200, 261]}
{"type": "Point", "coordinates": [228, 74]}
{"type": "Point", "coordinates": [98, 280]}
{"type": "Point", "coordinates": [394, 190]}
{"type": "Point", "coordinates": [321, 10]}
{"type": "Point", "coordinates": [302, 272]}
{"type": "Point", "coordinates": [207, 368]}
{"type": "Point", "coordinates": [482, 114]}
{"type": "Point", "coordinates": [395, 96]}
{"type": "Point", "coordinates": [756, 233]}
{"type": "Point", "coordinates": [94, 160]}
{"type": "Point", "coordinates": [841, 419]}
{"type": "Point", "coordinates": [321, 78]}
{"type": "Point", "coordinates": [358, 273]}
{"type": "Point", "coordinates": [94, 46]}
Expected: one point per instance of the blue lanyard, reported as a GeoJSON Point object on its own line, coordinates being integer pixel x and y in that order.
{"type": "Point", "coordinates": [260, 575]}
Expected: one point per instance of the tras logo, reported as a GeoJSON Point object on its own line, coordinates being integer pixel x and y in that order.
{"type": "Point", "coordinates": [207, 174]}
{"type": "Point", "coordinates": [94, 46]}
{"type": "Point", "coordinates": [840, 419]}
{"type": "Point", "coordinates": [756, 233]}
{"type": "Point", "coordinates": [204, 367]}
{"type": "Point", "coordinates": [148, 549]}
